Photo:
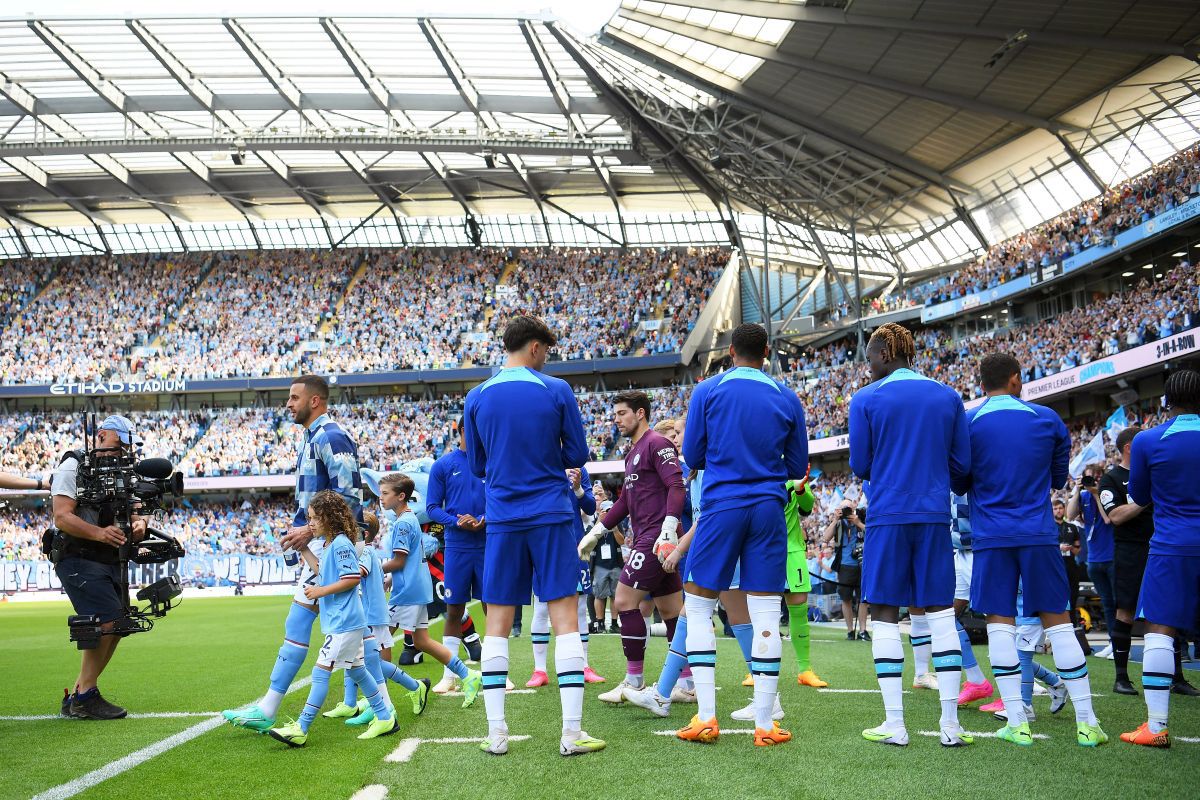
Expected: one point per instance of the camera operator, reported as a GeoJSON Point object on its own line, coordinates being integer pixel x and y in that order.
{"type": "Point", "coordinates": [846, 532]}
{"type": "Point", "coordinates": [89, 570]}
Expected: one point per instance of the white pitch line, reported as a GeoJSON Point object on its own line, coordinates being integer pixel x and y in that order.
{"type": "Point", "coordinates": [980, 735]}
{"type": "Point", "coordinates": [736, 731]}
{"type": "Point", "coordinates": [408, 747]}
{"type": "Point", "coordinates": [115, 768]}
{"type": "Point", "coordinates": [152, 715]}
{"type": "Point", "coordinates": [507, 691]}
{"type": "Point", "coordinates": [1186, 739]}
{"type": "Point", "coordinates": [375, 791]}
{"type": "Point", "coordinates": [855, 691]}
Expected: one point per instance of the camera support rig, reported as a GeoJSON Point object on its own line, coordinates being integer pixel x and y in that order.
{"type": "Point", "coordinates": [112, 481]}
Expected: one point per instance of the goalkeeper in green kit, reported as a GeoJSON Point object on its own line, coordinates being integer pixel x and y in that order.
{"type": "Point", "coordinates": [800, 504]}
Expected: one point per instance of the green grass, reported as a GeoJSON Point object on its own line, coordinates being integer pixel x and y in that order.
{"type": "Point", "coordinates": [216, 653]}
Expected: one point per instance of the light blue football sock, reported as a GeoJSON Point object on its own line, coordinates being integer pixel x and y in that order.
{"type": "Point", "coordinates": [370, 690]}
{"type": "Point", "coordinates": [745, 637]}
{"type": "Point", "coordinates": [457, 667]}
{"type": "Point", "coordinates": [394, 673]}
{"type": "Point", "coordinates": [676, 659]}
{"type": "Point", "coordinates": [317, 693]}
{"type": "Point", "coordinates": [297, 630]}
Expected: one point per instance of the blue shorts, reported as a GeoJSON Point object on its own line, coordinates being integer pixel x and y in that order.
{"type": "Point", "coordinates": [541, 560]}
{"type": "Point", "coordinates": [584, 586]}
{"type": "Point", "coordinates": [463, 579]}
{"type": "Point", "coordinates": [908, 565]}
{"type": "Point", "coordinates": [92, 587]}
{"type": "Point", "coordinates": [1171, 592]}
{"type": "Point", "coordinates": [1037, 569]}
{"type": "Point", "coordinates": [757, 535]}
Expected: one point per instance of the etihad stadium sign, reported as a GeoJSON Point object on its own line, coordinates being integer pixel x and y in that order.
{"type": "Point", "coordinates": [152, 386]}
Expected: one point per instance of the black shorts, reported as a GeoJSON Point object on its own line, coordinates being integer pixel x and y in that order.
{"type": "Point", "coordinates": [92, 587]}
{"type": "Point", "coordinates": [850, 578]}
{"type": "Point", "coordinates": [1129, 564]}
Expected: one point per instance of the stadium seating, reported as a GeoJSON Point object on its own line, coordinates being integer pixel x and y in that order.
{"type": "Point", "coordinates": [1095, 221]}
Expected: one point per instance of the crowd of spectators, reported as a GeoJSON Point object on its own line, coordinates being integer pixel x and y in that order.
{"type": "Point", "coordinates": [277, 312]}
{"type": "Point", "coordinates": [86, 324]}
{"type": "Point", "coordinates": [1093, 222]}
{"type": "Point", "coordinates": [33, 443]}
{"type": "Point", "coordinates": [1107, 325]}
{"type": "Point", "coordinates": [411, 310]}
{"type": "Point", "coordinates": [596, 301]}
{"type": "Point", "coordinates": [252, 315]}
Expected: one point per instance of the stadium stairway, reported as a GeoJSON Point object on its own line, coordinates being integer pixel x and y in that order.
{"type": "Point", "coordinates": [505, 277]}
{"type": "Point", "coordinates": [33, 297]}
{"type": "Point", "coordinates": [360, 269]}
{"type": "Point", "coordinates": [170, 326]}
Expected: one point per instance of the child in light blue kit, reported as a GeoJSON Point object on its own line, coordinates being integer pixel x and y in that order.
{"type": "Point", "coordinates": [343, 621]}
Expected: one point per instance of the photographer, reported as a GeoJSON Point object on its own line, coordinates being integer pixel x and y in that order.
{"type": "Point", "coordinates": [846, 532]}
{"type": "Point", "coordinates": [89, 570]}
{"type": "Point", "coordinates": [1084, 506]}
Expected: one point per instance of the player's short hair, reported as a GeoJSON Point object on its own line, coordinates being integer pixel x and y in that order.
{"type": "Point", "coordinates": [372, 523]}
{"type": "Point", "coordinates": [665, 427]}
{"type": "Point", "coordinates": [897, 341]}
{"type": "Point", "coordinates": [749, 340]}
{"type": "Point", "coordinates": [523, 329]}
{"type": "Point", "coordinates": [332, 515]}
{"type": "Point", "coordinates": [315, 384]}
{"type": "Point", "coordinates": [996, 369]}
{"type": "Point", "coordinates": [1183, 390]}
{"type": "Point", "coordinates": [400, 483]}
{"type": "Point", "coordinates": [635, 400]}
{"type": "Point", "coordinates": [1126, 436]}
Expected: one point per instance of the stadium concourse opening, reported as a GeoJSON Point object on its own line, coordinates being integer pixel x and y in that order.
{"type": "Point", "coordinates": [490, 241]}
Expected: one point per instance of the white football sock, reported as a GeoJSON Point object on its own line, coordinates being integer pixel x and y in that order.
{"type": "Point", "coordinates": [702, 652]}
{"type": "Point", "coordinates": [947, 662]}
{"type": "Point", "coordinates": [1071, 666]}
{"type": "Point", "coordinates": [568, 662]}
{"type": "Point", "coordinates": [1158, 673]}
{"type": "Point", "coordinates": [452, 644]}
{"type": "Point", "coordinates": [918, 636]}
{"type": "Point", "coordinates": [494, 664]}
{"type": "Point", "coordinates": [888, 652]}
{"type": "Point", "coordinates": [1006, 667]}
{"type": "Point", "coordinates": [766, 655]}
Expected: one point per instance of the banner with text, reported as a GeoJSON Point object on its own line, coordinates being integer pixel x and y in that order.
{"type": "Point", "coordinates": [206, 570]}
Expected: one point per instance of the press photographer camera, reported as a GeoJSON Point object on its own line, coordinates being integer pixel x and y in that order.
{"type": "Point", "coordinates": [103, 499]}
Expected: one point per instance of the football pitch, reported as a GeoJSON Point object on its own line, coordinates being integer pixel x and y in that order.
{"type": "Point", "coordinates": [216, 653]}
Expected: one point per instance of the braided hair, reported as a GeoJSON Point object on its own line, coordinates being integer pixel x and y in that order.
{"type": "Point", "coordinates": [897, 342]}
{"type": "Point", "coordinates": [1183, 391]}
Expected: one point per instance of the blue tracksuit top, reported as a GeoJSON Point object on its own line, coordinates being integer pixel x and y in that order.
{"type": "Point", "coordinates": [908, 437]}
{"type": "Point", "coordinates": [523, 432]}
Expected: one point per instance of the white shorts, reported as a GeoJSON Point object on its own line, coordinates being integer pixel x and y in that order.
{"type": "Point", "coordinates": [963, 562]}
{"type": "Point", "coordinates": [383, 635]}
{"type": "Point", "coordinates": [409, 618]}
{"type": "Point", "coordinates": [342, 650]}
{"type": "Point", "coordinates": [1030, 637]}
{"type": "Point", "coordinates": [306, 577]}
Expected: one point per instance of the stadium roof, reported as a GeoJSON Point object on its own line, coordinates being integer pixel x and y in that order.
{"type": "Point", "coordinates": [933, 128]}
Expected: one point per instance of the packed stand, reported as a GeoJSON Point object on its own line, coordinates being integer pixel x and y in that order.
{"type": "Point", "coordinates": [33, 442]}
{"type": "Point", "coordinates": [88, 321]}
{"type": "Point", "coordinates": [20, 281]}
{"type": "Point", "coordinates": [252, 315]}
{"type": "Point", "coordinates": [596, 300]}
{"type": "Point", "coordinates": [411, 309]}
{"type": "Point", "coordinates": [245, 441]}
{"type": "Point", "coordinates": [828, 377]}
{"type": "Point", "coordinates": [1095, 221]}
